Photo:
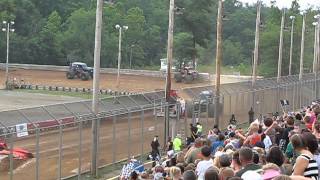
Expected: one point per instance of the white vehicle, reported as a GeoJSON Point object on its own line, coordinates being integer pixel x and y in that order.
{"type": "Point", "coordinates": [164, 66]}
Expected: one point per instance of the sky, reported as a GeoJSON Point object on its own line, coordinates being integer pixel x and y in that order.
{"type": "Point", "coordinates": [305, 4]}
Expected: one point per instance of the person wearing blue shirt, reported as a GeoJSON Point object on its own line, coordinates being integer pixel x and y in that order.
{"type": "Point", "coordinates": [219, 143]}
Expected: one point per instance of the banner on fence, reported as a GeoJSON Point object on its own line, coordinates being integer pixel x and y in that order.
{"type": "Point", "coordinates": [22, 130]}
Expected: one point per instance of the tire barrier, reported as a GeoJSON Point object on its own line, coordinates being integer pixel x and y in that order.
{"type": "Point", "coordinates": [78, 90]}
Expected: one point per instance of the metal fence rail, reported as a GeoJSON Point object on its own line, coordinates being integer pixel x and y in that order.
{"type": "Point", "coordinates": [59, 136]}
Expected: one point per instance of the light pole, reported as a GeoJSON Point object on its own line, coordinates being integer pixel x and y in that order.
{"type": "Point", "coordinates": [291, 44]}
{"type": "Point", "coordinates": [302, 45]}
{"type": "Point", "coordinates": [280, 46]}
{"type": "Point", "coordinates": [256, 45]}
{"type": "Point", "coordinates": [96, 89]}
{"type": "Point", "coordinates": [218, 62]}
{"type": "Point", "coordinates": [315, 51]}
{"type": "Point", "coordinates": [132, 46]}
{"type": "Point", "coordinates": [317, 17]}
{"type": "Point", "coordinates": [8, 29]}
{"type": "Point", "coordinates": [169, 62]}
{"type": "Point", "coordinates": [119, 53]}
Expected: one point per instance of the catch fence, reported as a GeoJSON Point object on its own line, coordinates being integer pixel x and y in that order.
{"type": "Point", "coordinates": [60, 137]}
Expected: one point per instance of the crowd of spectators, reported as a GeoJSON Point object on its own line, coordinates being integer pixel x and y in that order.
{"type": "Point", "coordinates": [274, 148]}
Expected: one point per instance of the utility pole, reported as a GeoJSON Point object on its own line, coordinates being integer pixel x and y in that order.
{"type": "Point", "coordinates": [119, 55]}
{"type": "Point", "coordinates": [281, 46]}
{"type": "Point", "coordinates": [130, 62]}
{"type": "Point", "coordinates": [291, 44]}
{"type": "Point", "coordinates": [256, 53]}
{"type": "Point", "coordinates": [218, 62]}
{"type": "Point", "coordinates": [256, 45]}
{"type": "Point", "coordinates": [120, 28]}
{"type": "Point", "coordinates": [7, 29]}
{"type": "Point", "coordinates": [169, 62]}
{"type": "Point", "coordinates": [315, 59]}
{"type": "Point", "coordinates": [302, 46]}
{"type": "Point", "coordinates": [96, 89]}
{"type": "Point", "coordinates": [315, 48]}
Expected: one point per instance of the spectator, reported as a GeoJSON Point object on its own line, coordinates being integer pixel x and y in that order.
{"type": "Point", "coordinates": [175, 173]}
{"type": "Point", "coordinates": [282, 177]}
{"type": "Point", "coordinates": [205, 163]}
{"type": "Point", "coordinates": [307, 122]}
{"type": "Point", "coordinates": [284, 141]}
{"type": "Point", "coordinates": [158, 173]}
{"type": "Point", "coordinates": [224, 161]}
{"type": "Point", "coordinates": [270, 129]}
{"type": "Point", "coordinates": [134, 175]}
{"type": "Point", "coordinates": [270, 171]}
{"type": "Point", "coordinates": [199, 129]}
{"type": "Point", "coordinates": [251, 115]}
{"type": "Point", "coordinates": [305, 164]}
{"type": "Point", "coordinates": [236, 164]}
{"type": "Point", "coordinates": [233, 141]}
{"type": "Point", "coordinates": [189, 175]}
{"type": "Point", "coordinates": [193, 131]}
{"type": "Point", "coordinates": [177, 143]}
{"type": "Point", "coordinates": [313, 147]}
{"type": "Point", "coordinates": [194, 152]}
{"type": "Point", "coordinates": [246, 159]}
{"type": "Point", "coordinates": [226, 173]}
{"type": "Point", "coordinates": [235, 178]}
{"type": "Point", "coordinates": [211, 174]}
{"type": "Point", "coordinates": [316, 130]}
{"type": "Point", "coordinates": [256, 158]}
{"type": "Point", "coordinates": [155, 153]}
{"type": "Point", "coordinates": [251, 175]}
{"type": "Point", "coordinates": [169, 146]}
{"type": "Point", "coordinates": [275, 156]}
{"type": "Point", "coordinates": [253, 135]}
{"type": "Point", "coordinates": [218, 143]}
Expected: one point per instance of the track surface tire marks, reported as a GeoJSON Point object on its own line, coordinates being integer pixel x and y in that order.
{"type": "Point", "coordinates": [49, 146]}
{"type": "Point", "coordinates": [129, 83]}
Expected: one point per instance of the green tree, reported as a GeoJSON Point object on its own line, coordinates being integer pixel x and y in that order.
{"type": "Point", "coordinates": [183, 47]}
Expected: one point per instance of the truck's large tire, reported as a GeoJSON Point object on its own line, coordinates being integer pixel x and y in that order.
{"type": "Point", "coordinates": [178, 77]}
{"type": "Point", "coordinates": [189, 78]}
{"type": "Point", "coordinates": [70, 75]}
{"type": "Point", "coordinates": [85, 76]}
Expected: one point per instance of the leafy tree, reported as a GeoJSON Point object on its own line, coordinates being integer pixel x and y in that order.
{"type": "Point", "coordinates": [183, 47]}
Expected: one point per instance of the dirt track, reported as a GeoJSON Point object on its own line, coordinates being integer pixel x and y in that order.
{"type": "Point", "coordinates": [49, 142]}
{"type": "Point", "coordinates": [129, 83]}
{"type": "Point", "coordinates": [49, 147]}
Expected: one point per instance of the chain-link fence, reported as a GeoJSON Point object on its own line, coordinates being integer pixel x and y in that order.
{"type": "Point", "coordinates": [60, 138]}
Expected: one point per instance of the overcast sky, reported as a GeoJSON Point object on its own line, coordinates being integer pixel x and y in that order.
{"type": "Point", "coordinates": [287, 3]}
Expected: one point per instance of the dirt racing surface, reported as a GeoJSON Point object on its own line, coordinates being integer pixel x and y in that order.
{"type": "Point", "coordinates": [130, 83]}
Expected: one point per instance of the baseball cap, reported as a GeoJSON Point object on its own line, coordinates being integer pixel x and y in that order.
{"type": "Point", "coordinates": [270, 173]}
{"type": "Point", "coordinates": [251, 175]}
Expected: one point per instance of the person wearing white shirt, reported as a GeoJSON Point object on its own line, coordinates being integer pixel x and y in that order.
{"type": "Point", "coordinates": [205, 164]}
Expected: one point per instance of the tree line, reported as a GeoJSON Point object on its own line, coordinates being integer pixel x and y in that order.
{"type": "Point", "coordinates": [58, 32]}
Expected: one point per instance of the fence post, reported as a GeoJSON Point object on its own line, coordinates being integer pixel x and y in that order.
{"type": "Point", "coordinates": [11, 155]}
{"type": "Point", "coordinates": [114, 119]}
{"type": "Point", "coordinates": [142, 134]}
{"type": "Point", "coordinates": [207, 115]}
{"type": "Point", "coordinates": [294, 97]}
{"type": "Point", "coordinates": [166, 126]}
{"type": "Point", "coordinates": [80, 151]}
{"type": "Point", "coordinates": [37, 152]}
{"type": "Point", "coordinates": [129, 134]}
